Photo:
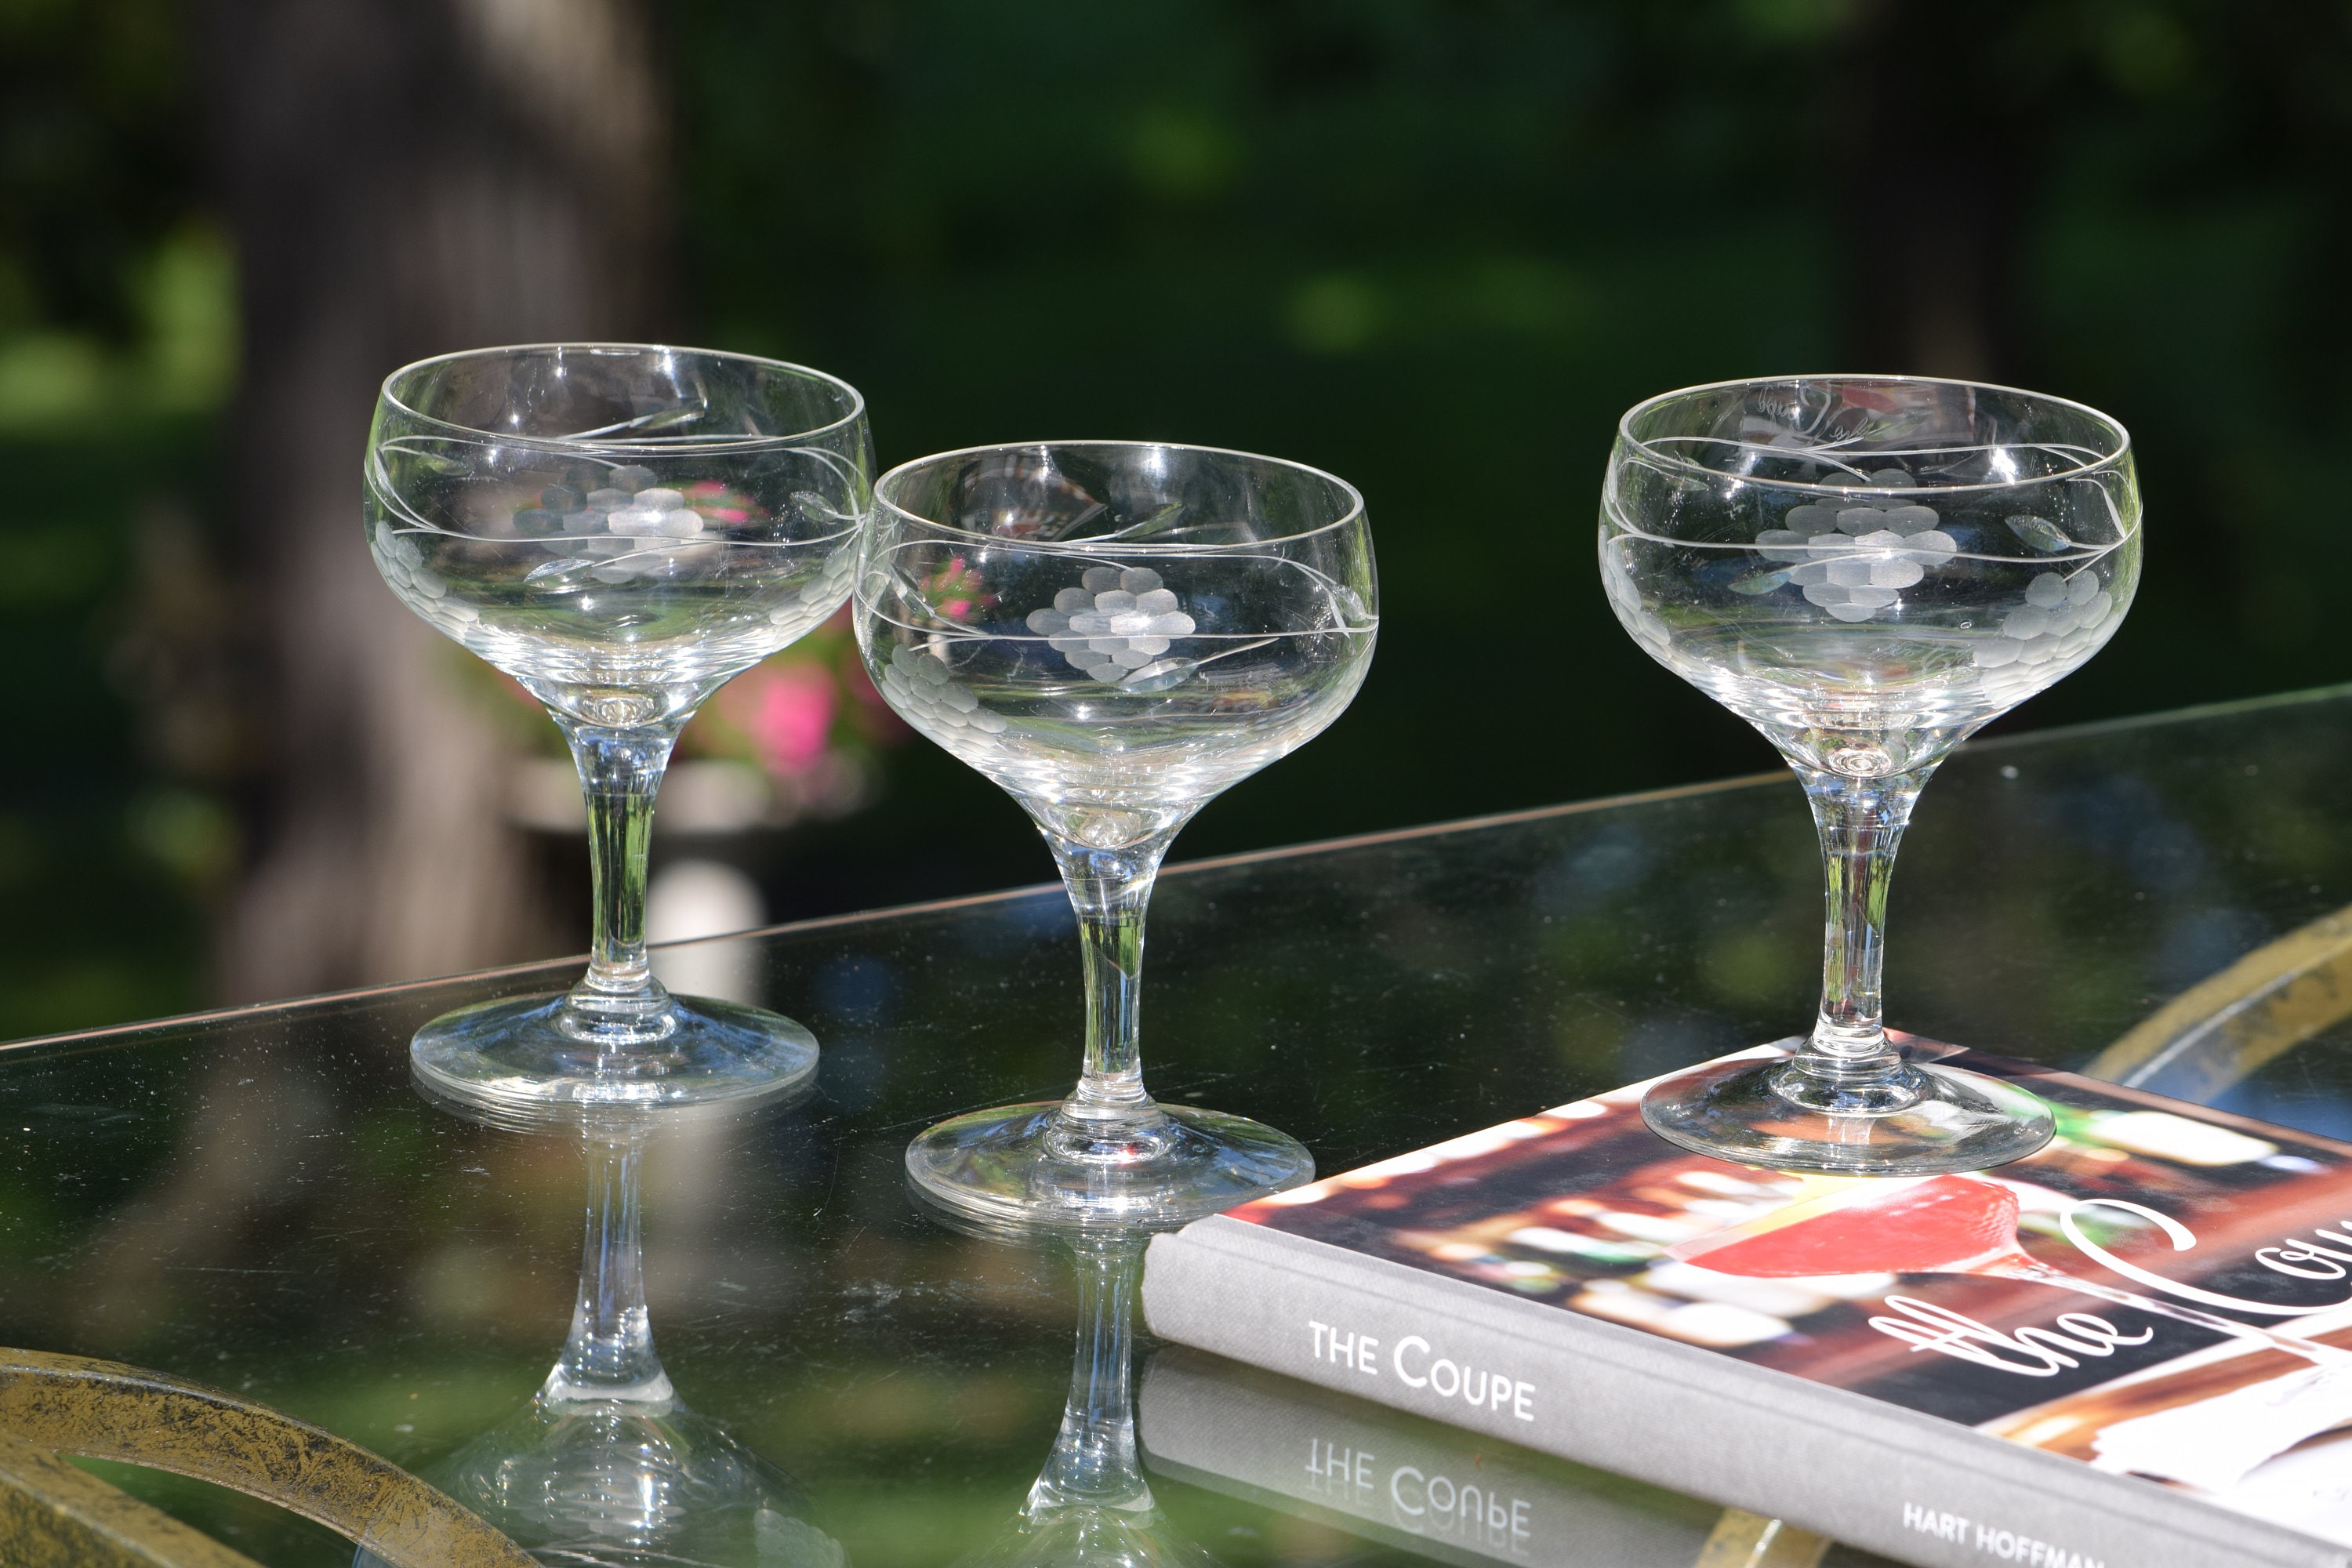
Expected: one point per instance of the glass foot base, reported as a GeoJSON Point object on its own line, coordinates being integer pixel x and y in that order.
{"type": "Point", "coordinates": [514, 1054]}
{"type": "Point", "coordinates": [1949, 1121]}
{"type": "Point", "coordinates": [614, 1482]}
{"type": "Point", "coordinates": [1082, 1534]}
{"type": "Point", "coordinates": [1014, 1166]}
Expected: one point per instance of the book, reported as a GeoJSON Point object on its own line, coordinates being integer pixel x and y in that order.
{"type": "Point", "coordinates": [1410, 1482]}
{"type": "Point", "coordinates": [2131, 1350]}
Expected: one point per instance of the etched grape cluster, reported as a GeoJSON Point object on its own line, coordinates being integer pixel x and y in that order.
{"type": "Point", "coordinates": [2061, 617]}
{"type": "Point", "coordinates": [1853, 558]}
{"type": "Point", "coordinates": [401, 564]}
{"type": "Point", "coordinates": [1648, 629]}
{"type": "Point", "coordinates": [831, 582]}
{"type": "Point", "coordinates": [1114, 623]}
{"type": "Point", "coordinates": [629, 528]}
{"type": "Point", "coordinates": [920, 687]}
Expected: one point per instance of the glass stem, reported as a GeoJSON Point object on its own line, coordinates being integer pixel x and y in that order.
{"type": "Point", "coordinates": [609, 1355]}
{"type": "Point", "coordinates": [1094, 1460]}
{"type": "Point", "coordinates": [1861, 820]}
{"type": "Point", "coordinates": [618, 1001]}
{"type": "Point", "coordinates": [1109, 890]}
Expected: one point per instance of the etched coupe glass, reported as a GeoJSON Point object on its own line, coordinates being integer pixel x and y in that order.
{"type": "Point", "coordinates": [620, 529]}
{"type": "Point", "coordinates": [1868, 568]}
{"type": "Point", "coordinates": [1114, 632]}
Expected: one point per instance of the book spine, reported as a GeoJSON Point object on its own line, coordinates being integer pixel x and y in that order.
{"type": "Point", "coordinates": [1841, 1464]}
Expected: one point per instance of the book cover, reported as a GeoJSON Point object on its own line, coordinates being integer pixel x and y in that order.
{"type": "Point", "coordinates": [2133, 1347]}
{"type": "Point", "coordinates": [1433, 1489]}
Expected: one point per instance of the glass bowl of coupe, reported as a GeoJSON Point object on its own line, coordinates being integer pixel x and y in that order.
{"type": "Point", "coordinates": [1114, 633]}
{"type": "Point", "coordinates": [622, 528]}
{"type": "Point", "coordinates": [1868, 568]}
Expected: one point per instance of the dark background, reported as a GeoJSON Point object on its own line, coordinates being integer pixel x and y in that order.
{"type": "Point", "coordinates": [1433, 248]}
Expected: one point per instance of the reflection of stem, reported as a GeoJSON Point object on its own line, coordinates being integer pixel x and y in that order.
{"type": "Point", "coordinates": [609, 1355]}
{"type": "Point", "coordinates": [2019, 1266]}
{"type": "Point", "coordinates": [1094, 1461]}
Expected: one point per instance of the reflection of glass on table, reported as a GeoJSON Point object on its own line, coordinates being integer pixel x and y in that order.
{"type": "Point", "coordinates": [1091, 1505]}
{"type": "Point", "coordinates": [258, 1201]}
{"type": "Point", "coordinates": [608, 1465]}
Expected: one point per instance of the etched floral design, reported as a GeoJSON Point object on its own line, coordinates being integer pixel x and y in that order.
{"type": "Point", "coordinates": [2061, 617]}
{"type": "Point", "coordinates": [920, 687]}
{"type": "Point", "coordinates": [1115, 624]}
{"type": "Point", "coordinates": [832, 583]}
{"type": "Point", "coordinates": [401, 563]}
{"type": "Point", "coordinates": [630, 527]}
{"type": "Point", "coordinates": [1855, 556]}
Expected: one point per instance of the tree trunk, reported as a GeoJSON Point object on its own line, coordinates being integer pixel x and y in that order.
{"type": "Point", "coordinates": [404, 178]}
{"type": "Point", "coordinates": [1937, 134]}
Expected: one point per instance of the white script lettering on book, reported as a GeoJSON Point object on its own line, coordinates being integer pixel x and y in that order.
{"type": "Point", "coordinates": [2042, 1352]}
{"type": "Point", "coordinates": [2030, 1352]}
{"type": "Point", "coordinates": [2290, 1259]}
{"type": "Point", "coordinates": [2008, 1545]}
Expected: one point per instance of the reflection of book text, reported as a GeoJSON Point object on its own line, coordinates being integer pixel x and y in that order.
{"type": "Point", "coordinates": [1471, 1512]}
{"type": "Point", "coordinates": [1399, 1479]}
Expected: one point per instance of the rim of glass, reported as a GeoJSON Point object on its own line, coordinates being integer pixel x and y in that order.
{"type": "Point", "coordinates": [1669, 460]}
{"type": "Point", "coordinates": [692, 446]}
{"type": "Point", "coordinates": [1111, 546]}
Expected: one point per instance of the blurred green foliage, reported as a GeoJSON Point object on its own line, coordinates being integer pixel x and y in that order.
{"type": "Point", "coordinates": [1437, 247]}
{"type": "Point", "coordinates": [118, 335]}
{"type": "Point", "coordinates": [1434, 246]}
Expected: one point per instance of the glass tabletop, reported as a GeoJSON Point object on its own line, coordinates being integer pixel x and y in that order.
{"type": "Point", "coordinates": [259, 1200]}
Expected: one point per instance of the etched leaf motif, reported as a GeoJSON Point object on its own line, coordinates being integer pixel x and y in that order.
{"type": "Point", "coordinates": [2041, 534]}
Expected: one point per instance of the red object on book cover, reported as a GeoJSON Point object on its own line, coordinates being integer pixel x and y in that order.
{"type": "Point", "coordinates": [1936, 1226]}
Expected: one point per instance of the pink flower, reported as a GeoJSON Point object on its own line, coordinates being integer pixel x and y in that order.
{"type": "Point", "coordinates": [956, 609]}
{"type": "Point", "coordinates": [790, 716]}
